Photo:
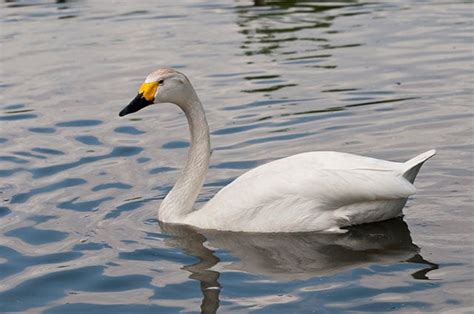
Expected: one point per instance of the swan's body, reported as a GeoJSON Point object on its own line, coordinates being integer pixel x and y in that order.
{"type": "Point", "coordinates": [315, 191]}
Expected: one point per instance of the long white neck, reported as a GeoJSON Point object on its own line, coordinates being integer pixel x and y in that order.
{"type": "Point", "coordinates": [180, 200]}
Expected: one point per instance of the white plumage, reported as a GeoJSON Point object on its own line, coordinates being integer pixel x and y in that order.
{"type": "Point", "coordinates": [314, 191]}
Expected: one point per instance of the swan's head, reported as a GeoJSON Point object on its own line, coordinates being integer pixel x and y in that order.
{"type": "Point", "coordinates": [161, 86]}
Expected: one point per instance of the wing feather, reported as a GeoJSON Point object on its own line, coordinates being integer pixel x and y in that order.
{"type": "Point", "coordinates": [329, 188]}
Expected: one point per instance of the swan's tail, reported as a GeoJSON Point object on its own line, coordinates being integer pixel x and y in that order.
{"type": "Point", "coordinates": [413, 165]}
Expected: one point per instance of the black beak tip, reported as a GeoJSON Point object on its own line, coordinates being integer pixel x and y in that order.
{"type": "Point", "coordinates": [125, 111]}
{"type": "Point", "coordinates": [135, 105]}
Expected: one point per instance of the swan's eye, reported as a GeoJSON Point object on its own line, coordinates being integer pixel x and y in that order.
{"type": "Point", "coordinates": [161, 82]}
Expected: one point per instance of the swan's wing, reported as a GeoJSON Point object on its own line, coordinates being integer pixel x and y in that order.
{"type": "Point", "coordinates": [327, 189]}
{"type": "Point", "coordinates": [331, 178]}
{"type": "Point", "coordinates": [337, 188]}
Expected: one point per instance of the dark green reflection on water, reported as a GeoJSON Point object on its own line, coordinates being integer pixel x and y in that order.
{"type": "Point", "coordinates": [262, 28]}
{"type": "Point", "coordinates": [291, 32]}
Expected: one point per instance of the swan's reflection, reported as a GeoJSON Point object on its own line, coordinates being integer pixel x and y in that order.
{"type": "Point", "coordinates": [283, 256]}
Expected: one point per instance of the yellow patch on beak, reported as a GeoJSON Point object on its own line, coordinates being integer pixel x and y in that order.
{"type": "Point", "coordinates": [148, 90]}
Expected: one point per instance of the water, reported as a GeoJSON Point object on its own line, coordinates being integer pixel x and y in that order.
{"type": "Point", "coordinates": [80, 187]}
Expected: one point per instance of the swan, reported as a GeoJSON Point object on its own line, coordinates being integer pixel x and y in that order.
{"type": "Point", "coordinates": [313, 191]}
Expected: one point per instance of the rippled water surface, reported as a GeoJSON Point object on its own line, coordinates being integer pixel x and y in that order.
{"type": "Point", "coordinates": [80, 187]}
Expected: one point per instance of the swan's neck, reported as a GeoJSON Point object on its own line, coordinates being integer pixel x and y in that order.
{"type": "Point", "coordinates": [180, 200]}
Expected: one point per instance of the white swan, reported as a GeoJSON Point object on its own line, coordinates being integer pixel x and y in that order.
{"type": "Point", "coordinates": [314, 191]}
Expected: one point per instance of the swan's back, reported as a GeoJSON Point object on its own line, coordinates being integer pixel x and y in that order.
{"type": "Point", "coordinates": [308, 191]}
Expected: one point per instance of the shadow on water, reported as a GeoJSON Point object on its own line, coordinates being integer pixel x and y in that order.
{"type": "Point", "coordinates": [299, 256]}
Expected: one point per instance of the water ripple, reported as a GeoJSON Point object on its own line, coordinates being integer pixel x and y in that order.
{"type": "Point", "coordinates": [117, 185]}
{"type": "Point", "coordinates": [4, 211]}
{"type": "Point", "coordinates": [15, 117]}
{"type": "Point", "coordinates": [23, 197]}
{"type": "Point", "coordinates": [18, 262]}
{"type": "Point", "coordinates": [128, 130]}
{"type": "Point", "coordinates": [78, 123]}
{"type": "Point", "coordinates": [85, 206]}
{"type": "Point", "coordinates": [42, 130]}
{"type": "Point", "coordinates": [90, 279]}
{"type": "Point", "coordinates": [122, 151]}
{"type": "Point", "coordinates": [88, 140]}
{"type": "Point", "coordinates": [34, 236]}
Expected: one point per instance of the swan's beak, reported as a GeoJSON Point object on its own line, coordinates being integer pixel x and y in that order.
{"type": "Point", "coordinates": [145, 97]}
{"type": "Point", "coordinates": [136, 104]}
